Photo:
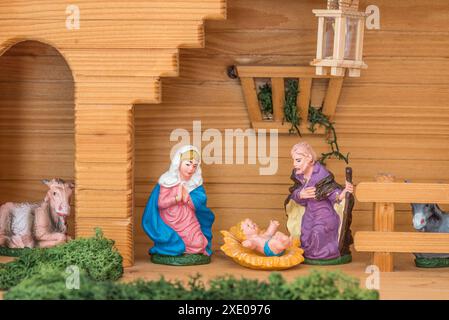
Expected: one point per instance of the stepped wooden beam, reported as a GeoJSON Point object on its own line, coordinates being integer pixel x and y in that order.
{"type": "Point", "coordinates": [383, 241]}
{"type": "Point", "coordinates": [277, 75]}
{"type": "Point", "coordinates": [117, 56]}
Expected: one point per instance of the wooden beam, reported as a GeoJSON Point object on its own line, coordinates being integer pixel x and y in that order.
{"type": "Point", "coordinates": [103, 119]}
{"type": "Point", "coordinates": [117, 90]}
{"type": "Point", "coordinates": [279, 72]}
{"type": "Point", "coordinates": [403, 192]}
{"type": "Point", "coordinates": [303, 100]}
{"type": "Point", "coordinates": [332, 96]}
{"type": "Point", "coordinates": [135, 33]}
{"type": "Point", "coordinates": [278, 96]}
{"type": "Point", "coordinates": [96, 62]}
{"type": "Point", "coordinates": [252, 102]}
{"type": "Point", "coordinates": [402, 242]}
{"type": "Point", "coordinates": [285, 127]}
{"type": "Point", "coordinates": [105, 9]}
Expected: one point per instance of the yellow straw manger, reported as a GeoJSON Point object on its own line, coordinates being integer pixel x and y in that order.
{"type": "Point", "coordinates": [233, 248]}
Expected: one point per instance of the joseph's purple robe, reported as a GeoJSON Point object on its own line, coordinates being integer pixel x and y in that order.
{"type": "Point", "coordinates": [320, 223]}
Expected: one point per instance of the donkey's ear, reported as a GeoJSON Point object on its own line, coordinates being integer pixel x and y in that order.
{"type": "Point", "coordinates": [437, 210]}
{"type": "Point", "coordinates": [46, 181]}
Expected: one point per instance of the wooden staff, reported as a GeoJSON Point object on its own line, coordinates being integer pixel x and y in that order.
{"type": "Point", "coordinates": [347, 214]}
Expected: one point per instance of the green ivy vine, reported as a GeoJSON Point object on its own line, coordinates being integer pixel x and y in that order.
{"type": "Point", "coordinates": [266, 104]}
{"type": "Point", "coordinates": [290, 111]}
{"type": "Point", "coordinates": [316, 117]}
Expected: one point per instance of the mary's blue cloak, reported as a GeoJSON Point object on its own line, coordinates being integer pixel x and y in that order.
{"type": "Point", "coordinates": [166, 240]}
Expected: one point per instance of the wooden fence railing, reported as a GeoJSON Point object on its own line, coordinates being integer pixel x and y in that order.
{"type": "Point", "coordinates": [383, 241]}
{"type": "Point", "coordinates": [278, 74]}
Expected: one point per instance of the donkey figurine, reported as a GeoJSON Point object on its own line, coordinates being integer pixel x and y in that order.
{"type": "Point", "coordinates": [29, 225]}
{"type": "Point", "coordinates": [430, 218]}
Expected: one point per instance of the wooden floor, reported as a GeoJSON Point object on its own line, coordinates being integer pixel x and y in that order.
{"type": "Point", "coordinates": [407, 282]}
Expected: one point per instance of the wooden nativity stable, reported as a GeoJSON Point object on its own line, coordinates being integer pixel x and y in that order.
{"type": "Point", "coordinates": [98, 104]}
{"type": "Point", "coordinates": [75, 113]}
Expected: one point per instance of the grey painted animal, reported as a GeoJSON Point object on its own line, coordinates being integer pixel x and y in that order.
{"type": "Point", "coordinates": [430, 218]}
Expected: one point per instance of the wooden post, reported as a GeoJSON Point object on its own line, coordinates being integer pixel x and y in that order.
{"type": "Point", "coordinates": [319, 47]}
{"type": "Point", "coordinates": [278, 96]}
{"type": "Point", "coordinates": [332, 96]}
{"type": "Point", "coordinates": [384, 222]}
{"type": "Point", "coordinates": [339, 45]}
{"type": "Point", "coordinates": [250, 93]}
{"type": "Point", "coordinates": [355, 72]}
{"type": "Point", "coordinates": [104, 174]}
{"type": "Point", "coordinates": [303, 99]}
{"type": "Point", "coordinates": [359, 42]}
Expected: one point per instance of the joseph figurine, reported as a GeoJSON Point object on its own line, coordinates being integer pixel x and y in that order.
{"type": "Point", "coordinates": [316, 209]}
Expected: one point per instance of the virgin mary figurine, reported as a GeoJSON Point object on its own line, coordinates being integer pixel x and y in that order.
{"type": "Point", "coordinates": [176, 217]}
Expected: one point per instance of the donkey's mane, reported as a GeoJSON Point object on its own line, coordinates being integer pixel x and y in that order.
{"type": "Point", "coordinates": [436, 213]}
{"type": "Point", "coordinates": [434, 218]}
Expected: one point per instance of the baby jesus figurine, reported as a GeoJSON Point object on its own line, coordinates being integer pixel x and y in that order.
{"type": "Point", "coordinates": [271, 242]}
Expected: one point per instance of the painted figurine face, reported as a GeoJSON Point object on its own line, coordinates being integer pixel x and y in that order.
{"type": "Point", "coordinates": [302, 161]}
{"type": "Point", "coordinates": [249, 227]}
{"type": "Point", "coordinates": [187, 169]}
{"type": "Point", "coordinates": [59, 194]}
{"type": "Point", "coordinates": [422, 214]}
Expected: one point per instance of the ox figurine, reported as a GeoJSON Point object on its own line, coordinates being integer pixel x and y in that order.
{"type": "Point", "coordinates": [29, 225]}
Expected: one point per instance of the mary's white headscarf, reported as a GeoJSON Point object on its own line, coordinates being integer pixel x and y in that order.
{"type": "Point", "coordinates": [171, 178]}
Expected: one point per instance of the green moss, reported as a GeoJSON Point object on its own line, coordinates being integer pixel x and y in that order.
{"type": "Point", "coordinates": [290, 105]}
{"type": "Point", "coordinates": [12, 252]}
{"type": "Point", "coordinates": [328, 285]}
{"type": "Point", "coordinates": [50, 284]}
{"type": "Point", "coordinates": [96, 256]}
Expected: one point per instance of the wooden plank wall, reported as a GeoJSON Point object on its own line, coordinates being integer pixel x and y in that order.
{"type": "Point", "coordinates": [394, 118]}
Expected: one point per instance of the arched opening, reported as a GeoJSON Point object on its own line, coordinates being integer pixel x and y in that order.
{"type": "Point", "coordinates": [36, 122]}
